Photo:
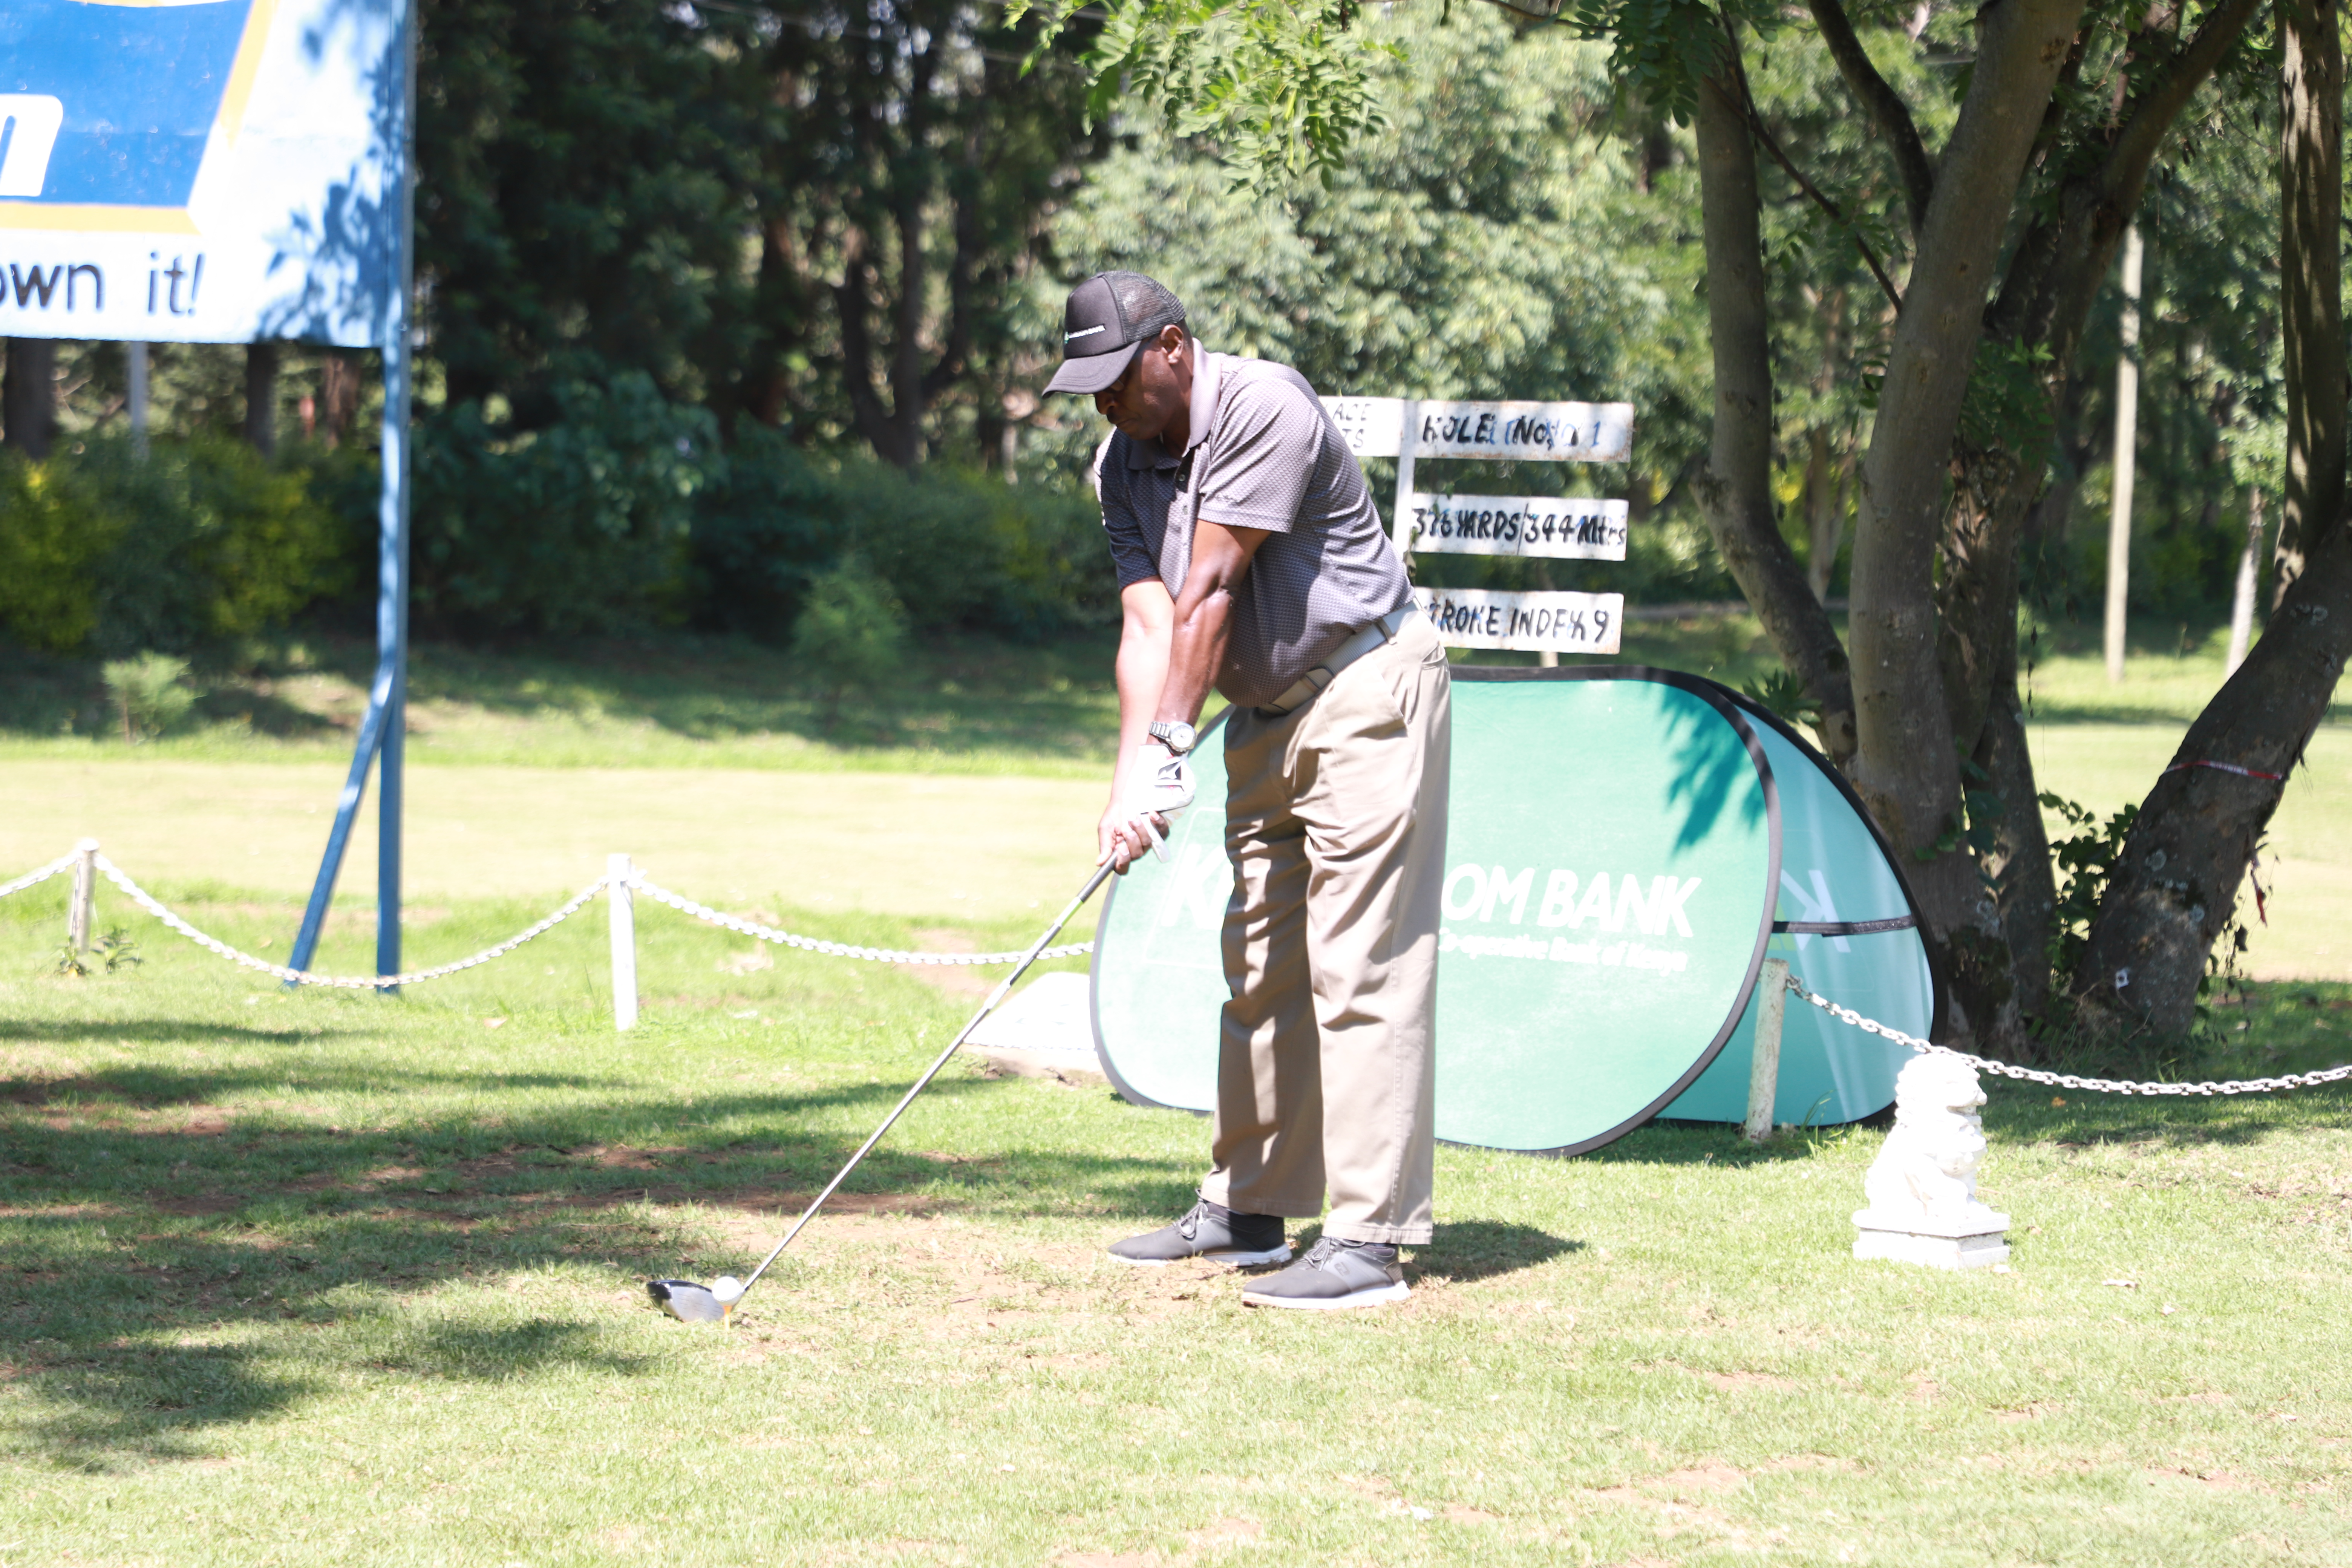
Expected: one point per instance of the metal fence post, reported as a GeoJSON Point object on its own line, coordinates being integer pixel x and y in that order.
{"type": "Point", "coordinates": [623, 900]}
{"type": "Point", "coordinates": [1764, 1069]}
{"type": "Point", "coordinates": [85, 895]}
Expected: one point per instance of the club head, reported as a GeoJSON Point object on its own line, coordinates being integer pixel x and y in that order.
{"type": "Point", "coordinates": [691, 1303]}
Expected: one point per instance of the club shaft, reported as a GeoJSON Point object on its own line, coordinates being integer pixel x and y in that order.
{"type": "Point", "coordinates": [1003, 987]}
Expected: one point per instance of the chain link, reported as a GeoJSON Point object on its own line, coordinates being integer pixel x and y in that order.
{"type": "Point", "coordinates": [148, 901]}
{"type": "Point", "coordinates": [2067, 1079]}
{"type": "Point", "coordinates": [840, 949]}
{"type": "Point", "coordinates": [34, 878]}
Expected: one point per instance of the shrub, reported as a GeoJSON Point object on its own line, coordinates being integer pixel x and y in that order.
{"type": "Point", "coordinates": [580, 526]}
{"type": "Point", "coordinates": [149, 692]}
{"type": "Point", "coordinates": [959, 549]}
{"type": "Point", "coordinates": [201, 541]}
{"type": "Point", "coordinates": [850, 634]}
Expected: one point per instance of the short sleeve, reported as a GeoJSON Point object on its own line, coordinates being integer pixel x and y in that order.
{"type": "Point", "coordinates": [1263, 457]}
{"type": "Point", "coordinates": [1131, 554]}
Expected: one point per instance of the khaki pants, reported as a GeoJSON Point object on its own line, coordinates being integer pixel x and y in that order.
{"type": "Point", "coordinates": [1335, 823]}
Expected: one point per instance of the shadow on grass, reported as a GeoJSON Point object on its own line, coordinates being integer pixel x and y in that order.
{"type": "Point", "coordinates": [167, 1032]}
{"type": "Point", "coordinates": [1466, 1250]}
{"type": "Point", "coordinates": [129, 1244]}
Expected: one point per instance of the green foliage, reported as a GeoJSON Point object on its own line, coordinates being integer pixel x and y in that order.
{"type": "Point", "coordinates": [850, 635]}
{"type": "Point", "coordinates": [200, 541]}
{"type": "Point", "coordinates": [956, 548]}
{"type": "Point", "coordinates": [1283, 90]}
{"type": "Point", "coordinates": [116, 950]}
{"type": "Point", "coordinates": [1660, 49]}
{"type": "Point", "coordinates": [578, 526]}
{"type": "Point", "coordinates": [150, 693]}
{"type": "Point", "coordinates": [2085, 861]}
{"type": "Point", "coordinates": [582, 210]}
{"type": "Point", "coordinates": [1782, 694]}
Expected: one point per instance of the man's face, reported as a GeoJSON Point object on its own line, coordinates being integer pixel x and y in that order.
{"type": "Point", "coordinates": [1144, 402]}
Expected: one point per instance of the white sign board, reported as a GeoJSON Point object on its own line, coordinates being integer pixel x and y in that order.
{"type": "Point", "coordinates": [1529, 623]}
{"type": "Point", "coordinates": [200, 171]}
{"type": "Point", "coordinates": [1570, 530]}
{"type": "Point", "coordinates": [1372, 425]}
{"type": "Point", "coordinates": [1516, 432]}
{"type": "Point", "coordinates": [1526, 432]}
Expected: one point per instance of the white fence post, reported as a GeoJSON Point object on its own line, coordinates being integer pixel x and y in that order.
{"type": "Point", "coordinates": [85, 895]}
{"type": "Point", "coordinates": [623, 899]}
{"type": "Point", "coordinates": [1764, 1069]}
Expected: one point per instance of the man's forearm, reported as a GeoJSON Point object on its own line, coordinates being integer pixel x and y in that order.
{"type": "Point", "coordinates": [1195, 653]}
{"type": "Point", "coordinates": [1142, 678]}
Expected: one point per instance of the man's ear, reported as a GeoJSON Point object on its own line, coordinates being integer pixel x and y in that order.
{"type": "Point", "coordinates": [1172, 341]}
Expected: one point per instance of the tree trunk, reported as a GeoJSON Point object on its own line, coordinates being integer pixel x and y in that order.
{"type": "Point", "coordinates": [2126, 463]}
{"type": "Point", "coordinates": [1907, 767]}
{"type": "Point", "coordinates": [1735, 486]}
{"type": "Point", "coordinates": [261, 397]}
{"type": "Point", "coordinates": [2311, 280]}
{"type": "Point", "coordinates": [28, 395]}
{"type": "Point", "coordinates": [2241, 602]}
{"type": "Point", "coordinates": [2176, 885]}
{"type": "Point", "coordinates": [338, 390]}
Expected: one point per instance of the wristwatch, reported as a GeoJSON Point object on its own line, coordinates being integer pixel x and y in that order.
{"type": "Point", "coordinates": [1175, 734]}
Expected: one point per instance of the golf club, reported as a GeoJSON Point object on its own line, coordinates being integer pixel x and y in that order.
{"type": "Point", "coordinates": [692, 1303]}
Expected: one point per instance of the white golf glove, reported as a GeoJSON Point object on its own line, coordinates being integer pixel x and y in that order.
{"type": "Point", "coordinates": [1160, 785]}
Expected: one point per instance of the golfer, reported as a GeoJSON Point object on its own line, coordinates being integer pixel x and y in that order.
{"type": "Point", "coordinates": [1249, 559]}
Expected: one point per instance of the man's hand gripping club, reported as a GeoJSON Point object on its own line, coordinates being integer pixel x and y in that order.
{"type": "Point", "coordinates": [1167, 654]}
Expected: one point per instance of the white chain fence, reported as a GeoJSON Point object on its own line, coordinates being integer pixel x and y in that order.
{"type": "Point", "coordinates": [834, 949]}
{"type": "Point", "coordinates": [2068, 1079]}
{"type": "Point", "coordinates": [34, 878]}
{"type": "Point", "coordinates": [635, 881]}
{"type": "Point", "coordinates": [149, 903]}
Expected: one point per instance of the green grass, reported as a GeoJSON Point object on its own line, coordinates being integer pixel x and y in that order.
{"type": "Point", "coordinates": [962, 705]}
{"type": "Point", "coordinates": [332, 1279]}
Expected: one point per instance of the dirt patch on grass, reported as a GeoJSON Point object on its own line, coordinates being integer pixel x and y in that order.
{"type": "Point", "coordinates": [955, 979]}
{"type": "Point", "coordinates": [201, 1204]}
{"type": "Point", "coordinates": [1732, 1382]}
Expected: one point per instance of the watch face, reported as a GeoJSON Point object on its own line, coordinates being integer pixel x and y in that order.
{"type": "Point", "coordinates": [1179, 736]}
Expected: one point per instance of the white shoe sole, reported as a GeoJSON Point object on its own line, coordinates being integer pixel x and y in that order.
{"type": "Point", "coordinates": [1376, 1297]}
{"type": "Point", "coordinates": [1230, 1259]}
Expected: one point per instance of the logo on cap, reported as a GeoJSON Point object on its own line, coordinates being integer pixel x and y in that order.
{"type": "Point", "coordinates": [1082, 332]}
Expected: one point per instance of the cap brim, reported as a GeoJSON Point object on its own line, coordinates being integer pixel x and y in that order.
{"type": "Point", "coordinates": [1095, 373]}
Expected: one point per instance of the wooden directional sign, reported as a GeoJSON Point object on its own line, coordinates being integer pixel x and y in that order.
{"type": "Point", "coordinates": [1513, 431]}
{"type": "Point", "coordinates": [1529, 623]}
{"type": "Point", "coordinates": [1570, 530]}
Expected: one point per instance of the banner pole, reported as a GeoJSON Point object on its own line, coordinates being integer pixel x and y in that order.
{"type": "Point", "coordinates": [379, 730]}
{"type": "Point", "coordinates": [391, 609]}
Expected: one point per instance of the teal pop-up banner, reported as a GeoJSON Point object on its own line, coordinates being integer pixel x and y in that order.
{"type": "Point", "coordinates": [1612, 864]}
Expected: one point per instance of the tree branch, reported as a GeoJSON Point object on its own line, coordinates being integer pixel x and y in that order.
{"type": "Point", "coordinates": [1883, 104]}
{"type": "Point", "coordinates": [1757, 128]}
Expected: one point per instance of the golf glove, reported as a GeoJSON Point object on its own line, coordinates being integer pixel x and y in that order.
{"type": "Point", "coordinates": [1161, 786]}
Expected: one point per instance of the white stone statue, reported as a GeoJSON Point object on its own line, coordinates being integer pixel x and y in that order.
{"type": "Point", "coordinates": [1923, 1186]}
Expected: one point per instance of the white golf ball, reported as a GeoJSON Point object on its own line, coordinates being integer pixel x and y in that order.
{"type": "Point", "coordinates": [727, 1288]}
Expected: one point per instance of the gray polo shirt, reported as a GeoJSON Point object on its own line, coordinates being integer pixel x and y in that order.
{"type": "Point", "coordinates": [1262, 454]}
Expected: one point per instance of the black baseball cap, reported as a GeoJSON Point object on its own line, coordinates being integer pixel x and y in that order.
{"type": "Point", "coordinates": [1107, 317]}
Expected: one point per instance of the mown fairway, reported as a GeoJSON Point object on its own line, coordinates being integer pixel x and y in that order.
{"type": "Point", "coordinates": [328, 1279]}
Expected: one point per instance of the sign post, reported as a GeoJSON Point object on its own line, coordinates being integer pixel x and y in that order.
{"type": "Point", "coordinates": [1548, 623]}
{"type": "Point", "coordinates": [229, 172]}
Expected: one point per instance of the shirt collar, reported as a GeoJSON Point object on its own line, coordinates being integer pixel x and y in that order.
{"type": "Point", "coordinates": [1208, 382]}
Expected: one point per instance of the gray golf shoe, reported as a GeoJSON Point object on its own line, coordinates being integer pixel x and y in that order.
{"type": "Point", "coordinates": [1211, 1231]}
{"type": "Point", "coordinates": [1334, 1274]}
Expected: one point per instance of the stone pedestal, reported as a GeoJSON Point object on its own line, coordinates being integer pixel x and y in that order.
{"type": "Point", "coordinates": [1976, 1242]}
